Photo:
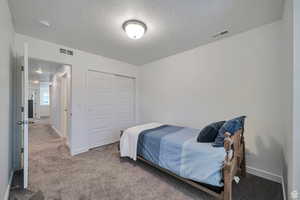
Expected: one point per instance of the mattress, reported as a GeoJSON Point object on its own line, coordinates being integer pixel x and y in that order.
{"type": "Point", "coordinates": [176, 149]}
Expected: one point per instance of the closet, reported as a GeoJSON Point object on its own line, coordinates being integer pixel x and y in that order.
{"type": "Point", "coordinates": [111, 106]}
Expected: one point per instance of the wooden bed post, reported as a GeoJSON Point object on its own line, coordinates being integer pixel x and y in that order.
{"type": "Point", "coordinates": [227, 170]}
{"type": "Point", "coordinates": [227, 195]}
{"type": "Point", "coordinates": [243, 163]}
{"type": "Point", "coordinates": [234, 161]}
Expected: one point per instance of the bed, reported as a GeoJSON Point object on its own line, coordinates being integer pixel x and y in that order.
{"type": "Point", "coordinates": [175, 150]}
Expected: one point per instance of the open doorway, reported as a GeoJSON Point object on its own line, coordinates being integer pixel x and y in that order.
{"type": "Point", "coordinates": [49, 94]}
{"type": "Point", "coordinates": [42, 115]}
{"type": "Point", "coordinates": [49, 105]}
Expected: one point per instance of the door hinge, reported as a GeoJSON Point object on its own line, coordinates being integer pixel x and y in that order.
{"type": "Point", "coordinates": [22, 68]}
{"type": "Point", "coordinates": [22, 150]}
{"type": "Point", "coordinates": [22, 109]}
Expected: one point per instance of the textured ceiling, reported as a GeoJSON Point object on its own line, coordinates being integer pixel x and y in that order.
{"type": "Point", "coordinates": [173, 25]}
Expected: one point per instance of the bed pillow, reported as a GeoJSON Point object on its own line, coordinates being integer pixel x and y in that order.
{"type": "Point", "coordinates": [210, 132]}
{"type": "Point", "coordinates": [230, 126]}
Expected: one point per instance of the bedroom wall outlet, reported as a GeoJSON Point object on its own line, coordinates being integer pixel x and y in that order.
{"type": "Point", "coordinates": [294, 195]}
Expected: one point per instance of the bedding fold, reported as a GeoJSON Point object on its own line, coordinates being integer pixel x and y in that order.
{"type": "Point", "coordinates": [129, 139]}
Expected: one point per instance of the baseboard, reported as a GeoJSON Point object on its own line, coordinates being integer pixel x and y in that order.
{"type": "Point", "coordinates": [264, 174]}
{"type": "Point", "coordinates": [79, 151]}
{"type": "Point", "coordinates": [57, 131]}
{"type": "Point", "coordinates": [6, 196]}
{"type": "Point", "coordinates": [269, 176]}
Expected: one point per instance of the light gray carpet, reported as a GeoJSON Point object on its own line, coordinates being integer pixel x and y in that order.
{"type": "Point", "coordinates": [100, 174]}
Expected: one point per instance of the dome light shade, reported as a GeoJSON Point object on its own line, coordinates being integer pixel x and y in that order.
{"type": "Point", "coordinates": [39, 71]}
{"type": "Point", "coordinates": [134, 29]}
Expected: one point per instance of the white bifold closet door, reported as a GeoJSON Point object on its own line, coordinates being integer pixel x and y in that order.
{"type": "Point", "coordinates": [111, 106]}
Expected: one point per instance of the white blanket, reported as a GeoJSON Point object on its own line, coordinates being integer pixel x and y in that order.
{"type": "Point", "coordinates": [129, 139]}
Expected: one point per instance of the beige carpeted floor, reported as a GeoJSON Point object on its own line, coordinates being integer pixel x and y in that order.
{"type": "Point", "coordinates": [100, 174]}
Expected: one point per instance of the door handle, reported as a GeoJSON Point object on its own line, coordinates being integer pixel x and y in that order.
{"type": "Point", "coordinates": [20, 123]}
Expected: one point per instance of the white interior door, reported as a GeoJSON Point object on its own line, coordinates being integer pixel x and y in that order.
{"type": "Point", "coordinates": [22, 115]}
{"type": "Point", "coordinates": [110, 107]}
{"type": "Point", "coordinates": [65, 105]}
{"type": "Point", "coordinates": [25, 117]}
{"type": "Point", "coordinates": [100, 109]}
{"type": "Point", "coordinates": [124, 102]}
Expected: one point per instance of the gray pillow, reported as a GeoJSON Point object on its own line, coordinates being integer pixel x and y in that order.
{"type": "Point", "coordinates": [210, 132]}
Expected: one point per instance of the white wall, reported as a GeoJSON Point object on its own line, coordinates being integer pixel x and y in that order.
{"type": "Point", "coordinates": [6, 64]}
{"type": "Point", "coordinates": [240, 75]}
{"type": "Point", "coordinates": [81, 62]}
{"type": "Point", "coordinates": [296, 98]}
{"type": "Point", "coordinates": [56, 108]}
{"type": "Point", "coordinates": [287, 47]}
{"type": "Point", "coordinates": [291, 32]}
{"type": "Point", "coordinates": [44, 111]}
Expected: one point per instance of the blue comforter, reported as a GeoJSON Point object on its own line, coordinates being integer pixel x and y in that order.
{"type": "Point", "coordinates": [176, 149]}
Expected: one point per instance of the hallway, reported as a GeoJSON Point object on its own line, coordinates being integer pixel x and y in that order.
{"type": "Point", "coordinates": [47, 151]}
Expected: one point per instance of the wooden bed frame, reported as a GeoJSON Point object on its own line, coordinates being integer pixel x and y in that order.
{"type": "Point", "coordinates": [234, 164]}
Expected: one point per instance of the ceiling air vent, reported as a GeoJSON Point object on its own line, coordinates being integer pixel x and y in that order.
{"type": "Point", "coordinates": [65, 51]}
{"type": "Point", "coordinates": [220, 34]}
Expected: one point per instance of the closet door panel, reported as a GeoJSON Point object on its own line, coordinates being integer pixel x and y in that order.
{"type": "Point", "coordinates": [100, 108]}
{"type": "Point", "coordinates": [125, 91]}
{"type": "Point", "coordinates": [111, 107]}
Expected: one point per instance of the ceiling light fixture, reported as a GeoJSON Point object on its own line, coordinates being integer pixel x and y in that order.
{"type": "Point", "coordinates": [134, 29]}
{"type": "Point", "coordinates": [39, 71]}
{"type": "Point", "coordinates": [45, 23]}
{"type": "Point", "coordinates": [36, 82]}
